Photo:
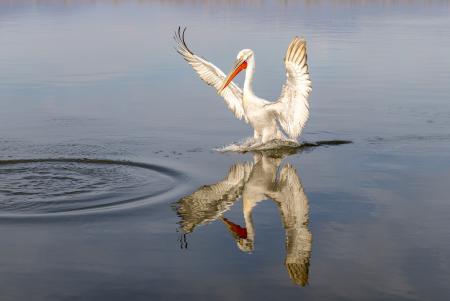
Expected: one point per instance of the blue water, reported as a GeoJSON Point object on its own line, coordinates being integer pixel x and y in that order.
{"type": "Point", "coordinates": [100, 80]}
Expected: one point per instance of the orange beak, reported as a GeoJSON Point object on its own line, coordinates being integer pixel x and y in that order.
{"type": "Point", "coordinates": [235, 229]}
{"type": "Point", "coordinates": [238, 67]}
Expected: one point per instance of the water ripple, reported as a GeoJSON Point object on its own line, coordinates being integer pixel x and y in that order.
{"type": "Point", "coordinates": [74, 185]}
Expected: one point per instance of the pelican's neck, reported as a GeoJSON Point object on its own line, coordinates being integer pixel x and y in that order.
{"type": "Point", "coordinates": [248, 208]}
{"type": "Point", "coordinates": [248, 83]}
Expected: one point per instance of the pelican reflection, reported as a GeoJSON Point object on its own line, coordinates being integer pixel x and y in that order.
{"type": "Point", "coordinates": [264, 178]}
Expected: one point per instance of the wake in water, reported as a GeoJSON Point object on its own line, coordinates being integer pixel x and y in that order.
{"type": "Point", "coordinates": [250, 145]}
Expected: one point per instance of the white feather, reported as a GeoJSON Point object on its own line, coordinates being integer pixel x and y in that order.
{"type": "Point", "coordinates": [292, 107]}
{"type": "Point", "coordinates": [212, 75]}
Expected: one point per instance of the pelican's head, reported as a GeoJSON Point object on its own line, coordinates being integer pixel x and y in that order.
{"type": "Point", "coordinates": [245, 245]}
{"type": "Point", "coordinates": [244, 54]}
{"type": "Point", "coordinates": [241, 64]}
{"type": "Point", "coordinates": [239, 234]}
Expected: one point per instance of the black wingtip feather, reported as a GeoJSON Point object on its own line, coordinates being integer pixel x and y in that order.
{"type": "Point", "coordinates": [179, 38]}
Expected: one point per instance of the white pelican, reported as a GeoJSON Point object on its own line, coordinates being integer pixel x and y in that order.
{"type": "Point", "coordinates": [264, 178]}
{"type": "Point", "coordinates": [290, 111]}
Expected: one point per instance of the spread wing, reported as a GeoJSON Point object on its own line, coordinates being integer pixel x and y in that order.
{"type": "Point", "coordinates": [294, 209]}
{"type": "Point", "coordinates": [211, 75]}
{"type": "Point", "coordinates": [211, 201]}
{"type": "Point", "coordinates": [292, 108]}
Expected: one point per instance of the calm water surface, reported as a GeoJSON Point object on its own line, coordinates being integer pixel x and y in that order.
{"type": "Point", "coordinates": [110, 188]}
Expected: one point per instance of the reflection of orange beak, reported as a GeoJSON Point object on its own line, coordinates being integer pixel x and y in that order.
{"type": "Point", "coordinates": [235, 229]}
{"type": "Point", "coordinates": [240, 65]}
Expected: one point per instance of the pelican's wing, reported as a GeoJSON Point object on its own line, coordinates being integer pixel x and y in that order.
{"type": "Point", "coordinates": [294, 209]}
{"type": "Point", "coordinates": [210, 201]}
{"type": "Point", "coordinates": [211, 75]}
{"type": "Point", "coordinates": [292, 108]}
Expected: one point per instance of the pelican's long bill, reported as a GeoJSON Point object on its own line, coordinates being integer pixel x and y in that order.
{"type": "Point", "coordinates": [238, 67]}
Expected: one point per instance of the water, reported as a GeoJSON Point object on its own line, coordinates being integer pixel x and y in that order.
{"type": "Point", "coordinates": [107, 139]}
{"type": "Point", "coordinates": [48, 186]}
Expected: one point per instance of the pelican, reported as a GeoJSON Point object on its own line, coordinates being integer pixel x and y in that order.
{"type": "Point", "coordinates": [264, 178]}
{"type": "Point", "coordinates": [290, 111]}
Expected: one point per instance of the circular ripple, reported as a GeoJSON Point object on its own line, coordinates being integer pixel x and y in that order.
{"type": "Point", "coordinates": [44, 186]}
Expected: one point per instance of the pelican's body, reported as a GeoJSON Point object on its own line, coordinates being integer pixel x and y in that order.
{"type": "Point", "coordinates": [255, 109]}
{"type": "Point", "coordinates": [270, 120]}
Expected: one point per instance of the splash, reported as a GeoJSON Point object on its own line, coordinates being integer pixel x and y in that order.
{"type": "Point", "coordinates": [250, 145]}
